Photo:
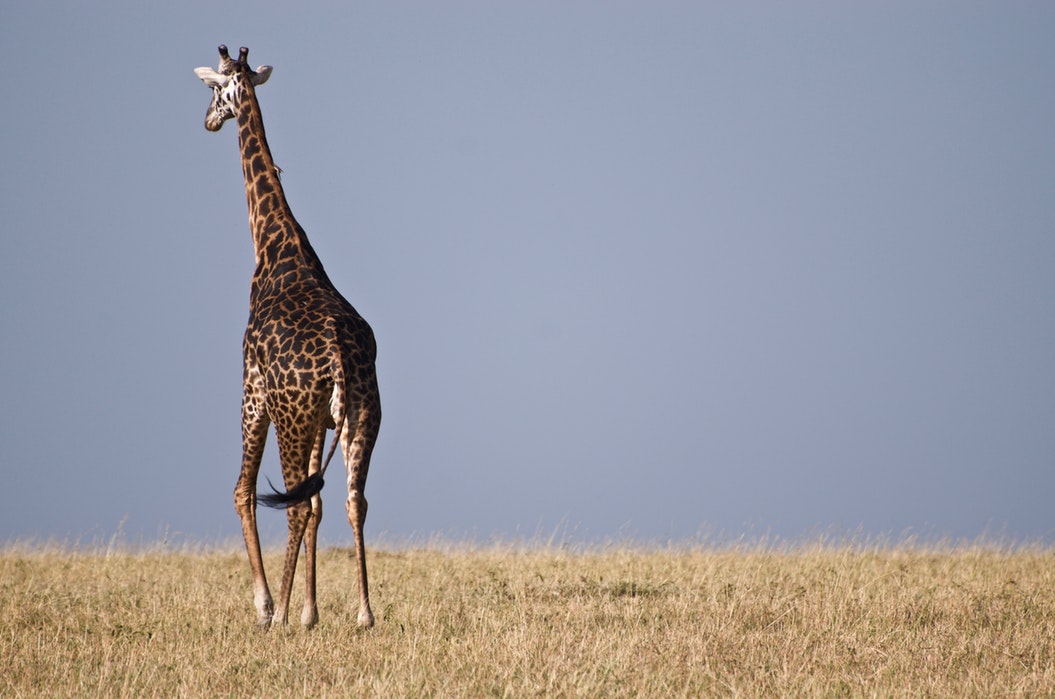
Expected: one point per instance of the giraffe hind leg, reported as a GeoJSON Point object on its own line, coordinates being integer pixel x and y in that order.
{"type": "Point", "coordinates": [358, 446]}
{"type": "Point", "coordinates": [357, 517]}
{"type": "Point", "coordinates": [254, 434]}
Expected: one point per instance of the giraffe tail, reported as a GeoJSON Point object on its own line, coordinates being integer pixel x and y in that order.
{"type": "Point", "coordinates": [302, 493]}
{"type": "Point", "coordinates": [312, 485]}
{"type": "Point", "coordinates": [307, 489]}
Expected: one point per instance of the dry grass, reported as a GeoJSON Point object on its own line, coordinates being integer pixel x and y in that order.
{"type": "Point", "coordinates": [502, 621]}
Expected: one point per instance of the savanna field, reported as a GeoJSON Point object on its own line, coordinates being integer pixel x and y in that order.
{"type": "Point", "coordinates": [539, 621]}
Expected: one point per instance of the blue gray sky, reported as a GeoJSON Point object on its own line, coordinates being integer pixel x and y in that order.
{"type": "Point", "coordinates": [648, 270]}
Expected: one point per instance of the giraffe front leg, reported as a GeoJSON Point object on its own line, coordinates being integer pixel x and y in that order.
{"type": "Point", "coordinates": [295, 445]}
{"type": "Point", "coordinates": [310, 616]}
{"type": "Point", "coordinates": [297, 516]}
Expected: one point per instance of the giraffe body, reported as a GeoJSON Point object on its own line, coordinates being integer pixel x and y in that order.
{"type": "Point", "coordinates": [308, 362]}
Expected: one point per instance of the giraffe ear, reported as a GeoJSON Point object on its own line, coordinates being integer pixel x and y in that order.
{"type": "Point", "coordinates": [210, 77]}
{"type": "Point", "coordinates": [262, 74]}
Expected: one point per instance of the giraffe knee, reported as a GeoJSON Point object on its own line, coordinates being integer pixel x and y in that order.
{"type": "Point", "coordinates": [298, 516]}
{"type": "Point", "coordinates": [243, 499]}
{"type": "Point", "coordinates": [356, 505]}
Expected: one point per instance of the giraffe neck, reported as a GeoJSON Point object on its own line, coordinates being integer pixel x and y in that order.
{"type": "Point", "coordinates": [279, 242]}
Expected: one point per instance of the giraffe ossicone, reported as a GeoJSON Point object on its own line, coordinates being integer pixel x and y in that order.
{"type": "Point", "coordinates": [308, 362]}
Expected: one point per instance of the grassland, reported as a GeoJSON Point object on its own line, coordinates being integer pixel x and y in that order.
{"type": "Point", "coordinates": [514, 621]}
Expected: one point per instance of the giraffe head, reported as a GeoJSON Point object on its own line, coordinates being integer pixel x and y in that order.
{"type": "Point", "coordinates": [229, 85]}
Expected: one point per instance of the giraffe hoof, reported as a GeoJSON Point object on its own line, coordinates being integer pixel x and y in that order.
{"type": "Point", "coordinates": [366, 619]}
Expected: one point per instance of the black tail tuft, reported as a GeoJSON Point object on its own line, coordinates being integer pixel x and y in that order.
{"type": "Point", "coordinates": [302, 493]}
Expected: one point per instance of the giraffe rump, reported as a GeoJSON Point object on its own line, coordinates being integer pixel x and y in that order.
{"type": "Point", "coordinates": [311, 485]}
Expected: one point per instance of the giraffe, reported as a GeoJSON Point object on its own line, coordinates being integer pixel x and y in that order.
{"type": "Point", "coordinates": [308, 363]}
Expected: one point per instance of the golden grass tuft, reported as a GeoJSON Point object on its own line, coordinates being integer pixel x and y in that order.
{"type": "Point", "coordinates": [502, 620]}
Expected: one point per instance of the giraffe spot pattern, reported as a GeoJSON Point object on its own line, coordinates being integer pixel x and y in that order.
{"type": "Point", "coordinates": [308, 358]}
